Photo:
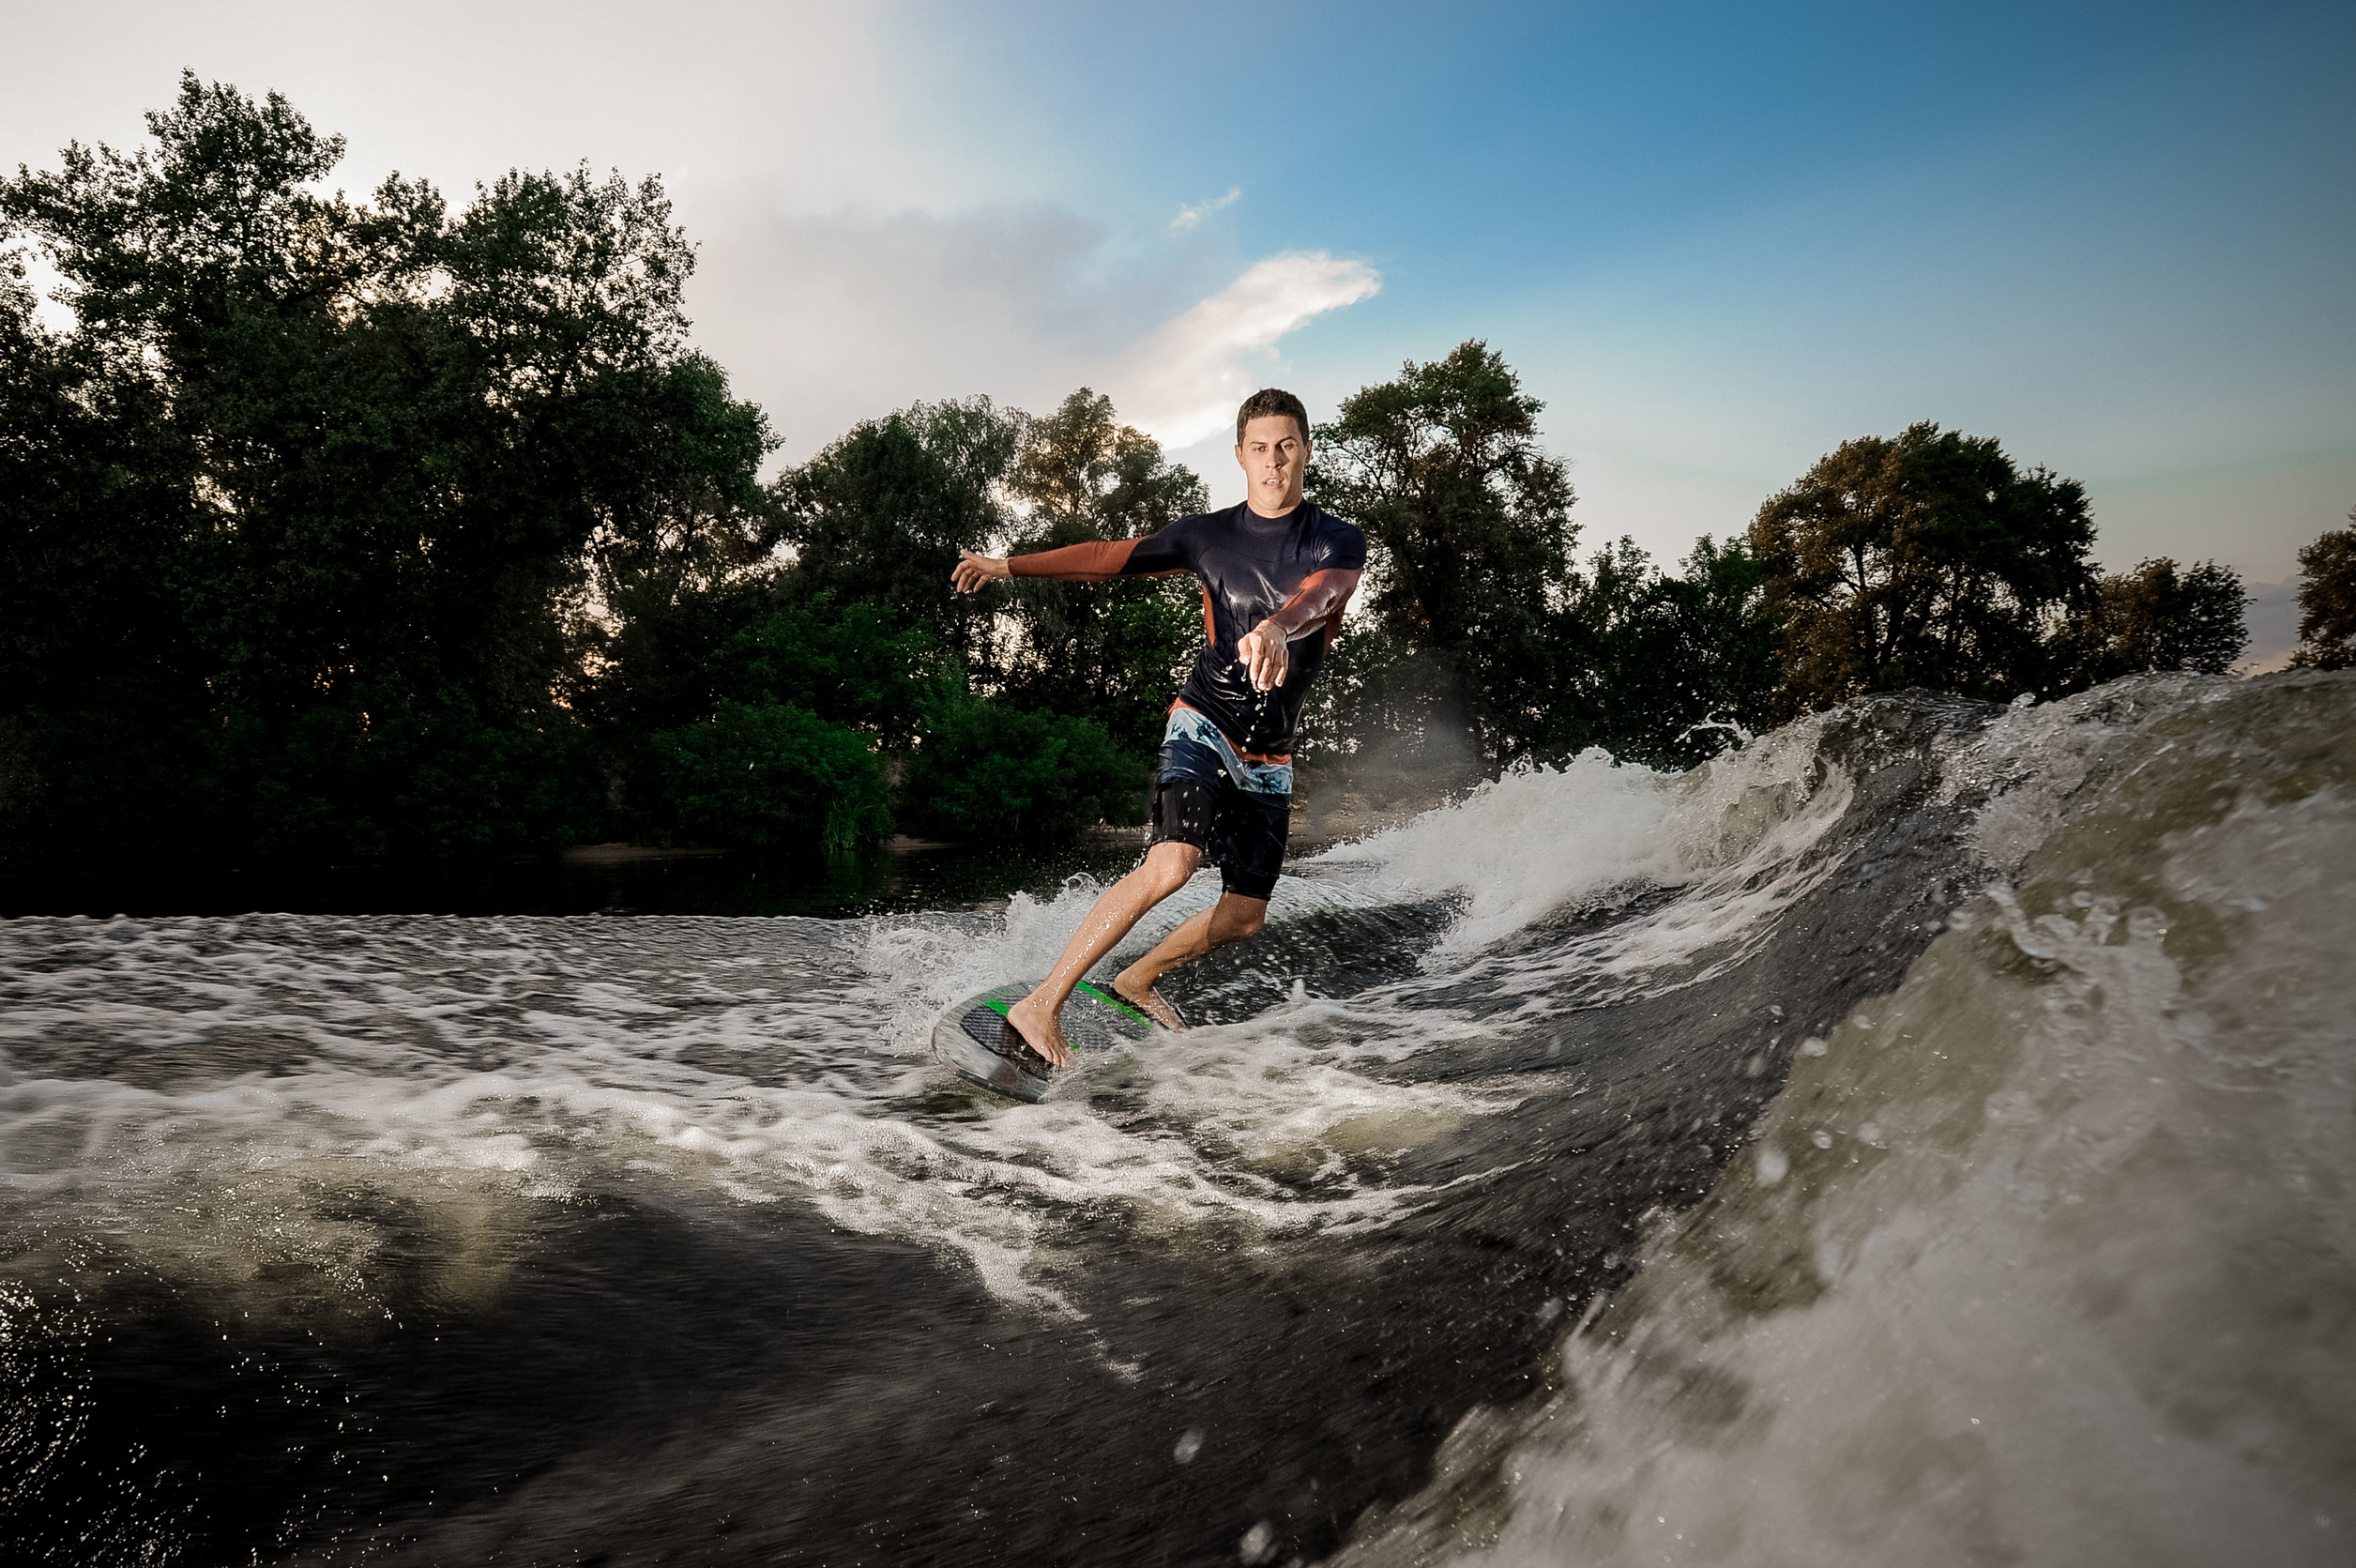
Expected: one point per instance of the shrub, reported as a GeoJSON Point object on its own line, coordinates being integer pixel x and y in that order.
{"type": "Point", "coordinates": [985, 770]}
{"type": "Point", "coordinates": [769, 776]}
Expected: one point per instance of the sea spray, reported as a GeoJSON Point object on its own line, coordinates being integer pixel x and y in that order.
{"type": "Point", "coordinates": [2048, 1257]}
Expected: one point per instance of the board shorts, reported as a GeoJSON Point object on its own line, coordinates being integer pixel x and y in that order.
{"type": "Point", "coordinates": [1197, 800]}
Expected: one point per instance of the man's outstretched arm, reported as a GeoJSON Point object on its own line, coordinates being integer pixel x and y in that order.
{"type": "Point", "coordinates": [1097, 561]}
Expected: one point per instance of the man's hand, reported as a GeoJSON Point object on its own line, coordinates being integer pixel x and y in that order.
{"type": "Point", "coordinates": [1265, 655]}
{"type": "Point", "coordinates": [968, 574]}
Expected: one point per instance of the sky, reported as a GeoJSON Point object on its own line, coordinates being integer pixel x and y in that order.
{"type": "Point", "coordinates": [1716, 239]}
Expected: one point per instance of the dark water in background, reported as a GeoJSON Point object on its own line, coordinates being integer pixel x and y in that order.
{"type": "Point", "coordinates": [905, 874]}
{"type": "Point", "coordinates": [1925, 1137]}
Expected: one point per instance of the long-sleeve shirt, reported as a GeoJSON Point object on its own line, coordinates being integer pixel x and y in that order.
{"type": "Point", "coordinates": [1299, 571]}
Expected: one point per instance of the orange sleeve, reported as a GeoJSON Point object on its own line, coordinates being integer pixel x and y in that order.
{"type": "Point", "coordinates": [1317, 603]}
{"type": "Point", "coordinates": [1081, 563]}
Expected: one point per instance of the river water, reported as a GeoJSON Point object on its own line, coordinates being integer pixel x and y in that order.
{"type": "Point", "coordinates": [1924, 1135]}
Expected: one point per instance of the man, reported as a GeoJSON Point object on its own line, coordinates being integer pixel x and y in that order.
{"type": "Point", "coordinates": [1276, 574]}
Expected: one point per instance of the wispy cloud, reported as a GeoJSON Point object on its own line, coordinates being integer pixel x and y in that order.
{"type": "Point", "coordinates": [827, 320]}
{"type": "Point", "coordinates": [1183, 382]}
{"type": "Point", "coordinates": [1190, 216]}
{"type": "Point", "coordinates": [824, 320]}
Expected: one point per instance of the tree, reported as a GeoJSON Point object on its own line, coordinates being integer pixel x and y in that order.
{"type": "Point", "coordinates": [100, 695]}
{"type": "Point", "coordinates": [381, 451]}
{"type": "Point", "coordinates": [991, 770]}
{"type": "Point", "coordinates": [1667, 670]}
{"type": "Point", "coordinates": [2156, 617]}
{"type": "Point", "coordinates": [1113, 652]}
{"type": "Point", "coordinates": [771, 775]}
{"type": "Point", "coordinates": [2327, 602]}
{"type": "Point", "coordinates": [1469, 525]}
{"type": "Point", "coordinates": [880, 514]}
{"type": "Point", "coordinates": [1924, 560]}
{"type": "Point", "coordinates": [763, 639]}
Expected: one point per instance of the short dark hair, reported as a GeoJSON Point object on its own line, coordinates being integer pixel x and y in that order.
{"type": "Point", "coordinates": [1267, 400]}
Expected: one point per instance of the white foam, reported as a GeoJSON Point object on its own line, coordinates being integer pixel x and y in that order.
{"type": "Point", "coordinates": [1526, 843]}
{"type": "Point", "coordinates": [1738, 836]}
{"type": "Point", "coordinates": [2045, 1258]}
{"type": "Point", "coordinates": [788, 1061]}
{"type": "Point", "coordinates": [511, 1061]}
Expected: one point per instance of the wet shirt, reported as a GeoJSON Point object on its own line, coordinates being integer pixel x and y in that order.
{"type": "Point", "coordinates": [1299, 569]}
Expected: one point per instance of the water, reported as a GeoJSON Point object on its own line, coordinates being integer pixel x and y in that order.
{"type": "Point", "coordinates": [1923, 1137]}
{"type": "Point", "coordinates": [611, 879]}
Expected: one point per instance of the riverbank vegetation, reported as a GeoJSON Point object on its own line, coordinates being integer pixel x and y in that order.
{"type": "Point", "coordinates": [350, 528]}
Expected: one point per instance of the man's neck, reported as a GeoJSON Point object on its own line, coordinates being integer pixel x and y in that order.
{"type": "Point", "coordinates": [1290, 507]}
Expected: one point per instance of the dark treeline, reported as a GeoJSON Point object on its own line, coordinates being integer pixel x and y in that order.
{"type": "Point", "coordinates": [342, 528]}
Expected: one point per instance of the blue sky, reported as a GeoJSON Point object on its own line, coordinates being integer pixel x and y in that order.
{"type": "Point", "coordinates": [1717, 239]}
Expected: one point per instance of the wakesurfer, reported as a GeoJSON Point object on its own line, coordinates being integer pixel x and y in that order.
{"type": "Point", "coordinates": [1276, 574]}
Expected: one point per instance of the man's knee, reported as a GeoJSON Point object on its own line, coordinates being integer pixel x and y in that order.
{"type": "Point", "coordinates": [1238, 918]}
{"type": "Point", "coordinates": [1171, 866]}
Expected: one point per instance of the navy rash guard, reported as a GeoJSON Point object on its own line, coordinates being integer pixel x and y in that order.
{"type": "Point", "coordinates": [1299, 569]}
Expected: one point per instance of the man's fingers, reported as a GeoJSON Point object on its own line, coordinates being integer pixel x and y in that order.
{"type": "Point", "coordinates": [970, 573]}
{"type": "Point", "coordinates": [1264, 662]}
{"type": "Point", "coordinates": [1269, 660]}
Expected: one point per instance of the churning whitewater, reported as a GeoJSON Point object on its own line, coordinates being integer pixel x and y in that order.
{"type": "Point", "coordinates": [1921, 1135]}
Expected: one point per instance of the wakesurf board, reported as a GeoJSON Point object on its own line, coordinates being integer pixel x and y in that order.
{"type": "Point", "coordinates": [975, 1039]}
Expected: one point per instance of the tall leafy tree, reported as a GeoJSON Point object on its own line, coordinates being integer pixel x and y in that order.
{"type": "Point", "coordinates": [2156, 617]}
{"type": "Point", "coordinates": [100, 695]}
{"type": "Point", "coordinates": [1470, 523]}
{"type": "Point", "coordinates": [1927, 560]}
{"type": "Point", "coordinates": [396, 440]}
{"type": "Point", "coordinates": [2327, 601]}
{"type": "Point", "coordinates": [1667, 670]}
{"type": "Point", "coordinates": [1113, 652]}
{"type": "Point", "coordinates": [880, 513]}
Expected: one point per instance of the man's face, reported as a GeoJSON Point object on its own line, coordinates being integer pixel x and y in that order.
{"type": "Point", "coordinates": [1274, 455]}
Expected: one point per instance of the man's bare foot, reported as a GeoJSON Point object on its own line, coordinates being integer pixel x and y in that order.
{"type": "Point", "coordinates": [1040, 1025]}
{"type": "Point", "coordinates": [1149, 1002]}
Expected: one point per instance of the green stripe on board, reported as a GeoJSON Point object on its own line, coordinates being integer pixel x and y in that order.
{"type": "Point", "coordinates": [1110, 1000]}
{"type": "Point", "coordinates": [996, 1006]}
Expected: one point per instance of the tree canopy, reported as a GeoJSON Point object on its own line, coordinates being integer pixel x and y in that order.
{"type": "Point", "coordinates": [1471, 523]}
{"type": "Point", "coordinates": [378, 448]}
{"type": "Point", "coordinates": [1113, 652]}
{"type": "Point", "coordinates": [2327, 601]}
{"type": "Point", "coordinates": [2158, 617]}
{"type": "Point", "coordinates": [1924, 560]}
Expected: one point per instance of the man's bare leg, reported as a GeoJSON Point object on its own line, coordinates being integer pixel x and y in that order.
{"type": "Point", "coordinates": [1233, 919]}
{"type": "Point", "coordinates": [1039, 1017]}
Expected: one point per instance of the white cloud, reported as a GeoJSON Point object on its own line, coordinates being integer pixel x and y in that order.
{"type": "Point", "coordinates": [1190, 216]}
{"type": "Point", "coordinates": [857, 250]}
{"type": "Point", "coordinates": [825, 321]}
{"type": "Point", "coordinates": [1183, 382]}
{"type": "Point", "coordinates": [802, 95]}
